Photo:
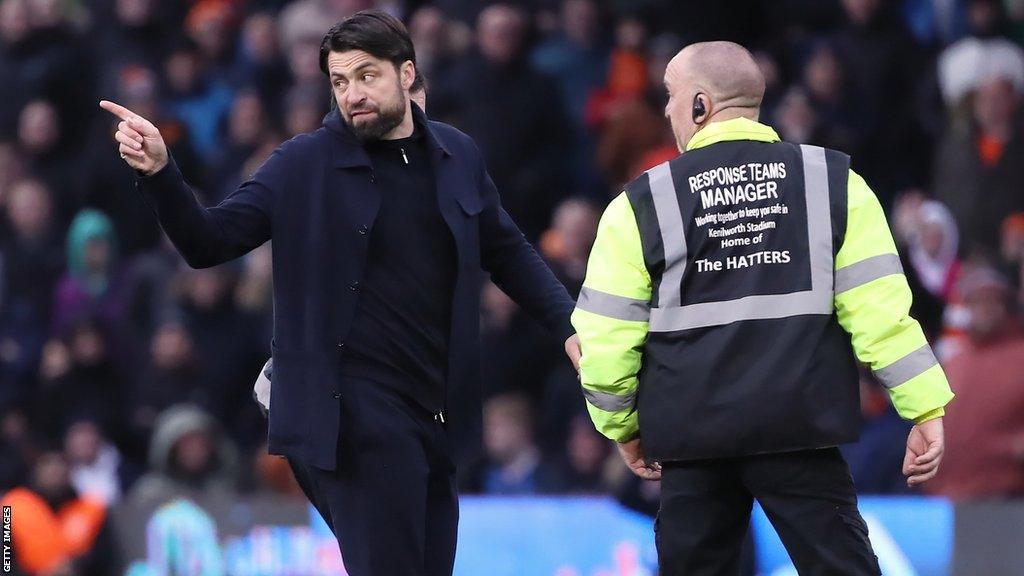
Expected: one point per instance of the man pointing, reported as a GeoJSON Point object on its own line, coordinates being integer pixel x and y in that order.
{"type": "Point", "coordinates": [381, 221]}
{"type": "Point", "coordinates": [727, 295]}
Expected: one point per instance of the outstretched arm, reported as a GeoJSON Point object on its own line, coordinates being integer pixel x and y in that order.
{"type": "Point", "coordinates": [204, 236]}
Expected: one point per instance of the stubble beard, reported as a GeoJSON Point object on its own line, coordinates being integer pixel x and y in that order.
{"type": "Point", "coordinates": [388, 117]}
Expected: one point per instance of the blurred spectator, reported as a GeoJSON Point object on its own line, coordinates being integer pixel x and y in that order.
{"type": "Point", "coordinates": [1012, 239]}
{"type": "Point", "coordinates": [255, 292]}
{"type": "Point", "coordinates": [78, 378]}
{"type": "Point", "coordinates": [838, 121]}
{"type": "Point", "coordinates": [133, 34]}
{"type": "Point", "coordinates": [430, 32]}
{"type": "Point", "coordinates": [929, 240]}
{"type": "Point", "coordinates": [304, 19]}
{"type": "Point", "coordinates": [566, 244]}
{"type": "Point", "coordinates": [19, 446]}
{"type": "Point", "coordinates": [512, 463]}
{"type": "Point", "coordinates": [14, 64]}
{"type": "Point", "coordinates": [879, 59]}
{"type": "Point", "coordinates": [936, 21]}
{"type": "Point", "coordinates": [625, 111]}
{"type": "Point", "coordinates": [173, 375]}
{"type": "Point", "coordinates": [660, 51]}
{"type": "Point", "coordinates": [151, 300]}
{"type": "Point", "coordinates": [627, 72]}
{"type": "Point", "coordinates": [516, 352]}
{"type": "Point", "coordinates": [188, 456]}
{"type": "Point", "coordinates": [583, 472]}
{"type": "Point", "coordinates": [274, 475]}
{"type": "Point", "coordinates": [247, 130]}
{"type": "Point", "coordinates": [30, 263]}
{"type": "Point", "coordinates": [968, 63]}
{"type": "Point", "coordinates": [577, 58]}
{"type": "Point", "coordinates": [795, 118]}
{"type": "Point", "coordinates": [97, 469]}
{"type": "Point", "coordinates": [978, 169]}
{"type": "Point", "coordinates": [12, 168]}
{"type": "Point", "coordinates": [43, 58]}
{"type": "Point", "coordinates": [197, 96]}
{"type": "Point", "coordinates": [1015, 19]}
{"type": "Point", "coordinates": [1013, 250]}
{"type": "Point", "coordinates": [260, 63]}
{"type": "Point", "coordinates": [47, 155]}
{"type": "Point", "coordinates": [985, 425]}
{"type": "Point", "coordinates": [95, 283]}
{"type": "Point", "coordinates": [70, 534]}
{"type": "Point", "coordinates": [305, 106]}
{"type": "Point", "coordinates": [228, 347]}
{"type": "Point", "coordinates": [512, 114]}
{"type": "Point", "coordinates": [210, 24]}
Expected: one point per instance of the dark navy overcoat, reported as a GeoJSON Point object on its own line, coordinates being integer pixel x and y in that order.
{"type": "Point", "coordinates": [316, 198]}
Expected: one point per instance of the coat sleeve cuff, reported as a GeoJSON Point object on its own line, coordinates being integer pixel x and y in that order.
{"type": "Point", "coordinates": [159, 180]}
{"type": "Point", "coordinates": [937, 413]}
{"type": "Point", "coordinates": [564, 329]}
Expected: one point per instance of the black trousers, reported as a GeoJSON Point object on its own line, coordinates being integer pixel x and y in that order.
{"type": "Point", "coordinates": [807, 495]}
{"type": "Point", "coordinates": [392, 501]}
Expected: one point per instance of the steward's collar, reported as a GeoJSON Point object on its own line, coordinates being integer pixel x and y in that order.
{"type": "Point", "coordinates": [733, 129]}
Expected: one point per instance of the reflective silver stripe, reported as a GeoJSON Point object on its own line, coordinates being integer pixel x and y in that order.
{"type": "Point", "coordinates": [911, 365]}
{"type": "Point", "coordinates": [817, 300]}
{"type": "Point", "coordinates": [613, 306]}
{"type": "Point", "coordinates": [760, 307]}
{"type": "Point", "coordinates": [609, 402]}
{"type": "Point", "coordinates": [673, 238]}
{"type": "Point", "coordinates": [819, 219]}
{"type": "Point", "coordinates": [867, 270]}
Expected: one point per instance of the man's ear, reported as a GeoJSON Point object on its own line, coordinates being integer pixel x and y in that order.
{"type": "Point", "coordinates": [407, 74]}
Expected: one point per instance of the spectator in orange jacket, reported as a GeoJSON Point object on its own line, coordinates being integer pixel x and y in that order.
{"type": "Point", "coordinates": [54, 531]}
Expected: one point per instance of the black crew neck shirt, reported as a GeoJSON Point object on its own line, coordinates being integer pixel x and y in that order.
{"type": "Point", "coordinates": [400, 333]}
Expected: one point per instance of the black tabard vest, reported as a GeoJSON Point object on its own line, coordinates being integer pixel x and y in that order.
{"type": "Point", "coordinates": [744, 354]}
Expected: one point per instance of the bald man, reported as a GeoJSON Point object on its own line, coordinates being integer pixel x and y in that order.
{"type": "Point", "coordinates": [728, 296]}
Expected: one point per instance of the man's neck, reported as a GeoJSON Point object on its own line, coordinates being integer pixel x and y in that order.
{"type": "Point", "coordinates": [723, 115]}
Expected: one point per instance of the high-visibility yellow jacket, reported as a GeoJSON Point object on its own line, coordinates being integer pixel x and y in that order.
{"type": "Point", "coordinates": [870, 299]}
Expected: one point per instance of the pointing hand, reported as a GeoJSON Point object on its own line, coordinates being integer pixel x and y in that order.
{"type": "Point", "coordinates": [141, 145]}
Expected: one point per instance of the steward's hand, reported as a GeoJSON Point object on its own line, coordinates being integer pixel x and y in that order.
{"type": "Point", "coordinates": [925, 446]}
{"type": "Point", "coordinates": [141, 145]}
{"type": "Point", "coordinates": [633, 455]}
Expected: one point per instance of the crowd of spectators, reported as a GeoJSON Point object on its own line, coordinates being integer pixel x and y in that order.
{"type": "Point", "coordinates": [125, 374]}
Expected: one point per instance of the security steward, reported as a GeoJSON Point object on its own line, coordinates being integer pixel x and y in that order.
{"type": "Point", "coordinates": [728, 297]}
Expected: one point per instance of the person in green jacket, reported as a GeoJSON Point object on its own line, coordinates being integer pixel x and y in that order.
{"type": "Point", "coordinates": [729, 294]}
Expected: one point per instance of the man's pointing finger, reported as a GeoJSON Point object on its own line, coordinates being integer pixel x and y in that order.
{"type": "Point", "coordinates": [117, 110]}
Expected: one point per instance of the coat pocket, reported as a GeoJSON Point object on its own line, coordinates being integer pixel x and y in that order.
{"type": "Point", "coordinates": [470, 204]}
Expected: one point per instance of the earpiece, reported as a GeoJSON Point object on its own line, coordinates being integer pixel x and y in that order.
{"type": "Point", "coordinates": [698, 109]}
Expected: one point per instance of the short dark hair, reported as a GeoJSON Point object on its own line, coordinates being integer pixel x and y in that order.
{"type": "Point", "coordinates": [372, 31]}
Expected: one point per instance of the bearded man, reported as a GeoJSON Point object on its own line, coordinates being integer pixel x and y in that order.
{"type": "Point", "coordinates": [382, 222]}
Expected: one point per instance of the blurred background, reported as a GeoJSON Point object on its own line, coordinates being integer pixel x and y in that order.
{"type": "Point", "coordinates": [126, 377]}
